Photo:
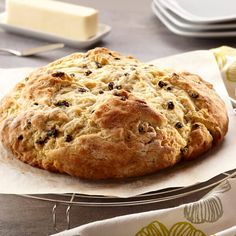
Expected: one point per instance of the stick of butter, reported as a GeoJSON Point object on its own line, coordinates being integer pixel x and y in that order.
{"type": "Point", "coordinates": [49, 16]}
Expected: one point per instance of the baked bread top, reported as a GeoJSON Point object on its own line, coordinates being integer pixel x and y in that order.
{"type": "Point", "coordinates": [100, 115]}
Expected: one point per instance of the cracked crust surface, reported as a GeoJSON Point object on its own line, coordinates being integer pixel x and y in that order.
{"type": "Point", "coordinates": [100, 115]}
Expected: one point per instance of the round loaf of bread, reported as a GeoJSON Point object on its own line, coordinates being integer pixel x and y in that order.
{"type": "Point", "coordinates": [100, 115]}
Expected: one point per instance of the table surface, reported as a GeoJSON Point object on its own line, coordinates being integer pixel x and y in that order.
{"type": "Point", "coordinates": [135, 31]}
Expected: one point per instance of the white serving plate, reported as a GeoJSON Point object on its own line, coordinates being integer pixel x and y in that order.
{"type": "Point", "coordinates": [102, 32]}
{"type": "Point", "coordinates": [182, 23]}
{"type": "Point", "coordinates": [193, 33]}
{"type": "Point", "coordinates": [203, 11]}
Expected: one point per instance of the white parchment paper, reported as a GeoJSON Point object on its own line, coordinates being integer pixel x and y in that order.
{"type": "Point", "coordinates": [20, 178]}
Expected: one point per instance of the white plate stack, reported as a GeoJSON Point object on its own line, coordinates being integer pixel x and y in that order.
{"type": "Point", "coordinates": [198, 18]}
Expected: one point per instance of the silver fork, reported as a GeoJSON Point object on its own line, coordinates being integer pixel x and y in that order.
{"type": "Point", "coordinates": [33, 51]}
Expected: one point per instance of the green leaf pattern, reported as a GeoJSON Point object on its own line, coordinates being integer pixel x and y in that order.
{"type": "Point", "coordinates": [185, 229]}
{"type": "Point", "coordinates": [156, 228]}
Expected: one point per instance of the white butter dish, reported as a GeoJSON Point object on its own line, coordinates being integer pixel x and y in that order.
{"type": "Point", "coordinates": [103, 30]}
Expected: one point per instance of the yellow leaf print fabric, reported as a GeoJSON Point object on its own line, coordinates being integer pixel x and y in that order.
{"type": "Point", "coordinates": [156, 228]}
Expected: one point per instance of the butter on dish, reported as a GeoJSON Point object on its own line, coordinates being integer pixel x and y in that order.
{"type": "Point", "coordinates": [62, 19]}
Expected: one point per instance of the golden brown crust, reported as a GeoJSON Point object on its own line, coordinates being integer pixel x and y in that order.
{"type": "Point", "coordinates": [102, 115]}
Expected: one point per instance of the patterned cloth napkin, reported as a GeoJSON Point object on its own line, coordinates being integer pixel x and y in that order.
{"type": "Point", "coordinates": [214, 214]}
{"type": "Point", "coordinates": [226, 59]}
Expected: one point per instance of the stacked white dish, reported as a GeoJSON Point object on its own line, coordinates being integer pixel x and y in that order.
{"type": "Point", "coordinates": [197, 18]}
